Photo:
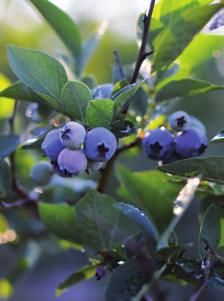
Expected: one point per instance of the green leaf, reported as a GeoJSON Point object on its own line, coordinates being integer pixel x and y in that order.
{"type": "Point", "coordinates": [19, 91]}
{"type": "Point", "coordinates": [40, 72]}
{"type": "Point", "coordinates": [128, 279]}
{"type": "Point", "coordinates": [62, 24]}
{"type": "Point", "coordinates": [219, 138]}
{"type": "Point", "coordinates": [60, 220]}
{"type": "Point", "coordinates": [209, 230]}
{"type": "Point", "coordinates": [84, 273]}
{"type": "Point", "coordinates": [209, 168]}
{"type": "Point", "coordinates": [123, 96]}
{"type": "Point", "coordinates": [99, 113]}
{"type": "Point", "coordinates": [104, 227]}
{"type": "Point", "coordinates": [171, 42]}
{"type": "Point", "coordinates": [139, 218]}
{"type": "Point", "coordinates": [76, 96]}
{"type": "Point", "coordinates": [94, 223]}
{"type": "Point", "coordinates": [185, 87]}
{"type": "Point", "coordinates": [141, 190]}
{"type": "Point", "coordinates": [8, 145]}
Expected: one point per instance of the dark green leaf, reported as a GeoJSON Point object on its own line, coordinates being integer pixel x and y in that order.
{"type": "Point", "coordinates": [5, 179]}
{"type": "Point", "coordinates": [210, 230]}
{"type": "Point", "coordinates": [75, 96]}
{"type": "Point", "coordinates": [84, 273]}
{"type": "Point", "coordinates": [171, 42]}
{"type": "Point", "coordinates": [40, 72]}
{"type": "Point", "coordinates": [185, 87]}
{"type": "Point", "coordinates": [19, 91]}
{"type": "Point", "coordinates": [99, 113]}
{"type": "Point", "coordinates": [139, 218]}
{"type": "Point", "coordinates": [104, 227]}
{"type": "Point", "coordinates": [8, 145]}
{"type": "Point", "coordinates": [63, 25]}
{"type": "Point", "coordinates": [210, 168]}
{"type": "Point", "coordinates": [60, 220]}
{"type": "Point", "coordinates": [141, 190]}
{"type": "Point", "coordinates": [128, 279]}
{"type": "Point", "coordinates": [122, 97]}
{"type": "Point", "coordinates": [95, 223]}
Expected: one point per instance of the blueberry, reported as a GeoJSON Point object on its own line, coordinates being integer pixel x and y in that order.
{"type": "Point", "coordinates": [103, 91]}
{"type": "Point", "coordinates": [197, 125]}
{"type": "Point", "coordinates": [72, 162]}
{"type": "Point", "coordinates": [52, 145]}
{"type": "Point", "coordinates": [190, 143]}
{"type": "Point", "coordinates": [100, 272]}
{"type": "Point", "coordinates": [179, 121]}
{"type": "Point", "coordinates": [100, 144]}
{"type": "Point", "coordinates": [72, 135]}
{"type": "Point", "coordinates": [158, 144]}
{"type": "Point", "coordinates": [42, 173]}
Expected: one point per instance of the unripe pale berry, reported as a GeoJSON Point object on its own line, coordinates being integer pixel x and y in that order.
{"type": "Point", "coordinates": [100, 144]}
{"type": "Point", "coordinates": [42, 173]}
{"type": "Point", "coordinates": [52, 145]}
{"type": "Point", "coordinates": [94, 166]}
{"type": "Point", "coordinates": [103, 91]}
{"type": "Point", "coordinates": [72, 135]}
{"type": "Point", "coordinates": [179, 121]}
{"type": "Point", "coordinates": [190, 143]}
{"type": "Point", "coordinates": [158, 144]}
{"type": "Point", "coordinates": [72, 162]}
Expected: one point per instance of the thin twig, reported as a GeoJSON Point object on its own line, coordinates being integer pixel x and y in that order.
{"type": "Point", "coordinates": [142, 53]}
{"type": "Point", "coordinates": [119, 65]}
{"type": "Point", "coordinates": [106, 171]}
{"type": "Point", "coordinates": [207, 269]}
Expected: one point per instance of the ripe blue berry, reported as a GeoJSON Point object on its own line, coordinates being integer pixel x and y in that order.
{"type": "Point", "coordinates": [190, 143]}
{"type": "Point", "coordinates": [72, 135]}
{"type": "Point", "coordinates": [100, 144]}
{"type": "Point", "coordinates": [52, 145]}
{"type": "Point", "coordinates": [179, 121]}
{"type": "Point", "coordinates": [197, 125]}
{"type": "Point", "coordinates": [103, 91]}
{"type": "Point", "coordinates": [72, 162]}
{"type": "Point", "coordinates": [42, 173]}
{"type": "Point", "coordinates": [158, 144]}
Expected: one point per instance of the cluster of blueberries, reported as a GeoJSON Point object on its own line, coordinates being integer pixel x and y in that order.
{"type": "Point", "coordinates": [186, 139]}
{"type": "Point", "coordinates": [72, 150]}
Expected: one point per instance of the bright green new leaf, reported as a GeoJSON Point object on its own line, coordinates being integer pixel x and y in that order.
{"type": "Point", "coordinates": [62, 24]}
{"type": "Point", "coordinates": [178, 35]}
{"type": "Point", "coordinates": [100, 113]}
{"type": "Point", "coordinates": [84, 273]}
{"type": "Point", "coordinates": [185, 87]}
{"type": "Point", "coordinates": [76, 96]}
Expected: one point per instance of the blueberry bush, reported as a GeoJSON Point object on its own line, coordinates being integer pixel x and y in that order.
{"type": "Point", "coordinates": [127, 232]}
